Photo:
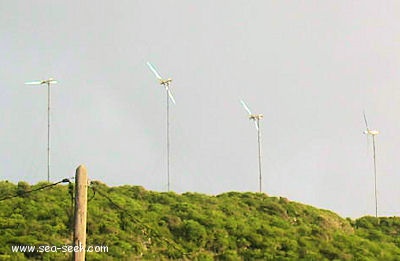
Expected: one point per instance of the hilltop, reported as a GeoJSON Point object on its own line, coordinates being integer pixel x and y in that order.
{"type": "Point", "coordinates": [139, 224]}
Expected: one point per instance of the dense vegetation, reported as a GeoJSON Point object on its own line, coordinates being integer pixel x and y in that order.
{"type": "Point", "coordinates": [139, 224]}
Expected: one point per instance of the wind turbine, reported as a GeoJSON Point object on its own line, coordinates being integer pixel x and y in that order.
{"type": "Point", "coordinates": [166, 83]}
{"type": "Point", "coordinates": [372, 133]}
{"type": "Point", "coordinates": [48, 82]}
{"type": "Point", "coordinates": [256, 118]}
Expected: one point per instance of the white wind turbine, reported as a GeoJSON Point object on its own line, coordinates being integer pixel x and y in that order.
{"type": "Point", "coordinates": [256, 118]}
{"type": "Point", "coordinates": [372, 133]}
{"type": "Point", "coordinates": [48, 82]}
{"type": "Point", "coordinates": [166, 83]}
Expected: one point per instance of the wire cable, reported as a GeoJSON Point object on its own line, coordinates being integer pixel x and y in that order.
{"type": "Point", "coordinates": [136, 220]}
{"type": "Point", "coordinates": [21, 194]}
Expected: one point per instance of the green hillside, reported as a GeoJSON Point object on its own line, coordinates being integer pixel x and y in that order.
{"type": "Point", "coordinates": [138, 224]}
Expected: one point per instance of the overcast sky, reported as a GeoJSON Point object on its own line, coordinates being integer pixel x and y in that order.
{"type": "Point", "coordinates": [311, 67]}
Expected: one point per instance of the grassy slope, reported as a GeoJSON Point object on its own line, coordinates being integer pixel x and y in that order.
{"type": "Point", "coordinates": [135, 223]}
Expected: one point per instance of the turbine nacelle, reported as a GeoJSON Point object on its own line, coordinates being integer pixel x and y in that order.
{"type": "Point", "coordinates": [165, 81]}
{"type": "Point", "coordinates": [255, 117]}
{"type": "Point", "coordinates": [371, 132]}
{"type": "Point", "coordinates": [48, 81]}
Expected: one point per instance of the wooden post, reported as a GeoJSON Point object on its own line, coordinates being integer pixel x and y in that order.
{"type": "Point", "coordinates": [81, 185]}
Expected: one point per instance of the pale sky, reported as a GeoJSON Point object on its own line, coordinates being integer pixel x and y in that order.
{"type": "Point", "coordinates": [311, 67]}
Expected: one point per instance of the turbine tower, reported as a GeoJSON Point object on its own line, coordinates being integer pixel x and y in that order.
{"type": "Point", "coordinates": [256, 118]}
{"type": "Point", "coordinates": [372, 133]}
{"type": "Point", "coordinates": [166, 83]}
{"type": "Point", "coordinates": [48, 82]}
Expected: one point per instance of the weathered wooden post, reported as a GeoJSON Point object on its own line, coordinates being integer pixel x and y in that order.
{"type": "Point", "coordinates": [81, 185]}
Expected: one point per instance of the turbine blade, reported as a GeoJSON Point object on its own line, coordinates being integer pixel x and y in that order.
{"type": "Point", "coordinates": [170, 95]}
{"type": "Point", "coordinates": [245, 107]}
{"type": "Point", "coordinates": [33, 83]}
{"type": "Point", "coordinates": [255, 122]}
{"type": "Point", "coordinates": [365, 119]}
{"type": "Point", "coordinates": [154, 70]}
